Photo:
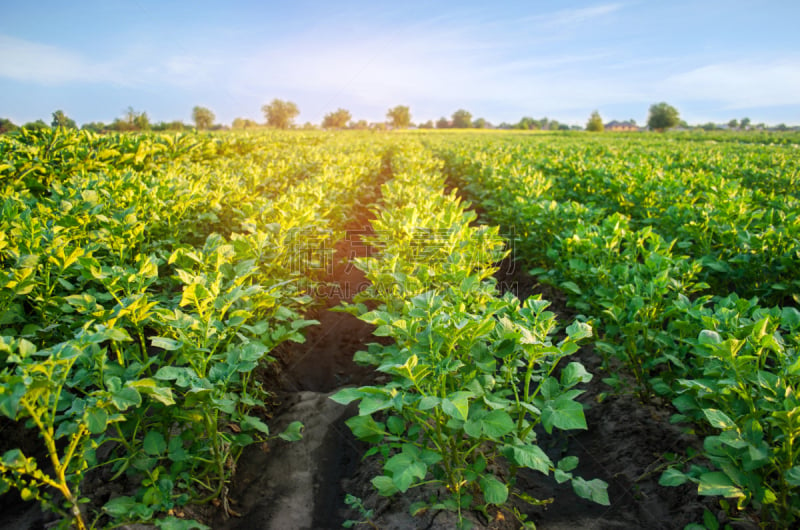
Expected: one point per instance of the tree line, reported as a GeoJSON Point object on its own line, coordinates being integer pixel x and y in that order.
{"type": "Point", "coordinates": [281, 114]}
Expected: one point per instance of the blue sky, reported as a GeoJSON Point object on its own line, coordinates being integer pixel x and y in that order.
{"type": "Point", "coordinates": [501, 60]}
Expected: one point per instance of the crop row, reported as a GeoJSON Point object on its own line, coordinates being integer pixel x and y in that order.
{"type": "Point", "coordinates": [471, 373]}
{"type": "Point", "coordinates": [672, 249]}
{"type": "Point", "coordinates": [144, 278]}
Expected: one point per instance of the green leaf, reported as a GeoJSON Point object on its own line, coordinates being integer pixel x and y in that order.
{"type": "Point", "coordinates": [154, 443]}
{"type": "Point", "coordinates": [149, 386]}
{"type": "Point", "coordinates": [718, 419]}
{"type": "Point", "coordinates": [792, 476]}
{"type": "Point", "coordinates": [530, 456]}
{"type": "Point", "coordinates": [125, 398]}
{"type": "Point", "coordinates": [563, 413]}
{"type": "Point", "coordinates": [568, 463]}
{"type": "Point", "coordinates": [366, 429]}
{"type": "Point", "coordinates": [347, 395]}
{"type": "Point", "coordinates": [497, 424]}
{"type": "Point", "coordinates": [574, 373]}
{"type": "Point", "coordinates": [96, 420]}
{"type": "Point", "coordinates": [494, 491]}
{"type": "Point", "coordinates": [571, 287]}
{"type": "Point", "coordinates": [672, 477]}
{"type": "Point", "coordinates": [710, 520]}
{"type": "Point", "coordinates": [396, 425]}
{"type": "Point", "coordinates": [250, 423]}
{"type": "Point", "coordinates": [14, 458]}
{"type": "Point", "coordinates": [292, 433]}
{"type": "Point", "coordinates": [165, 343]}
{"type": "Point", "coordinates": [405, 468]}
{"type": "Point", "coordinates": [561, 476]}
{"type": "Point", "coordinates": [374, 403]}
{"type": "Point", "coordinates": [594, 490]}
{"type": "Point", "coordinates": [10, 395]}
{"type": "Point", "coordinates": [709, 337]}
{"type": "Point", "coordinates": [456, 405]}
{"type": "Point", "coordinates": [385, 485]}
{"type": "Point", "coordinates": [717, 483]}
{"type": "Point", "coordinates": [579, 330]}
{"type": "Point", "coordinates": [417, 508]}
{"type": "Point", "coordinates": [120, 507]}
{"type": "Point", "coordinates": [428, 402]}
{"type": "Point", "coordinates": [171, 522]}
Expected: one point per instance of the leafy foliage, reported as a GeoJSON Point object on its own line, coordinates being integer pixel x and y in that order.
{"type": "Point", "coordinates": [595, 123]}
{"type": "Point", "coordinates": [662, 116]}
{"type": "Point", "coordinates": [280, 114]}
{"type": "Point", "coordinates": [399, 116]}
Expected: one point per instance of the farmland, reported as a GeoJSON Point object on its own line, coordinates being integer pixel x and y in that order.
{"type": "Point", "coordinates": [154, 288]}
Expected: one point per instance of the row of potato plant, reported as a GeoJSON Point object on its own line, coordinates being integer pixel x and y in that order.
{"type": "Point", "coordinates": [630, 251]}
{"type": "Point", "coordinates": [732, 206]}
{"type": "Point", "coordinates": [472, 374]}
{"type": "Point", "coordinates": [144, 279]}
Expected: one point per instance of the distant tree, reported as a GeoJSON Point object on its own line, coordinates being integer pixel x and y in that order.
{"type": "Point", "coordinates": [141, 122]}
{"type": "Point", "coordinates": [176, 125]}
{"type": "Point", "coordinates": [595, 123]}
{"type": "Point", "coordinates": [243, 123]}
{"type": "Point", "coordinates": [527, 123]}
{"type": "Point", "coordinates": [359, 125]}
{"type": "Point", "coordinates": [480, 123]}
{"type": "Point", "coordinates": [132, 121]}
{"type": "Point", "coordinates": [202, 117]}
{"type": "Point", "coordinates": [337, 119]}
{"type": "Point", "coordinates": [662, 117]}
{"type": "Point", "coordinates": [308, 126]}
{"type": "Point", "coordinates": [443, 123]}
{"type": "Point", "coordinates": [94, 126]}
{"type": "Point", "coordinates": [427, 125]}
{"type": "Point", "coordinates": [733, 124]}
{"type": "Point", "coordinates": [781, 127]}
{"type": "Point", "coordinates": [399, 117]}
{"type": "Point", "coordinates": [38, 124]}
{"type": "Point", "coordinates": [280, 114]}
{"type": "Point", "coordinates": [62, 120]}
{"type": "Point", "coordinates": [710, 126]}
{"type": "Point", "coordinates": [462, 119]}
{"type": "Point", "coordinates": [745, 123]}
{"type": "Point", "coordinates": [7, 125]}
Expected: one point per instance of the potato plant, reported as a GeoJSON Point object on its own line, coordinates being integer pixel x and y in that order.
{"type": "Point", "coordinates": [144, 279]}
{"type": "Point", "coordinates": [472, 373]}
{"type": "Point", "coordinates": [655, 241]}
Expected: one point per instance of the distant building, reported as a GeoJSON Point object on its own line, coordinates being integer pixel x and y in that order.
{"type": "Point", "coordinates": [621, 126]}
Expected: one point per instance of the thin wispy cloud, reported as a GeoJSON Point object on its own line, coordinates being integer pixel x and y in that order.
{"type": "Point", "coordinates": [24, 60]}
{"type": "Point", "coordinates": [741, 84]}
{"type": "Point", "coordinates": [574, 17]}
{"type": "Point", "coordinates": [501, 61]}
{"type": "Point", "coordinates": [39, 63]}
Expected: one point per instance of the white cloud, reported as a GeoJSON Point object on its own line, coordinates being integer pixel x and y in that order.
{"type": "Point", "coordinates": [741, 84]}
{"type": "Point", "coordinates": [573, 17]}
{"type": "Point", "coordinates": [34, 62]}
{"type": "Point", "coordinates": [40, 63]}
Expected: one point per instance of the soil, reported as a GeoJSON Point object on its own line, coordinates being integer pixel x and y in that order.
{"type": "Point", "coordinates": [302, 485]}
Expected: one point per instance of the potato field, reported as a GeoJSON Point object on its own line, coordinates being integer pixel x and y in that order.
{"type": "Point", "coordinates": [562, 330]}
